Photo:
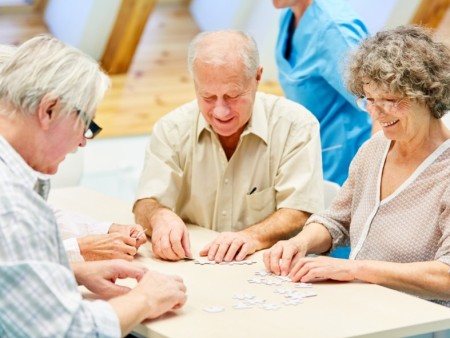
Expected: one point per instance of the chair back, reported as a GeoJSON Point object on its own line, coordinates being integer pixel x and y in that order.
{"type": "Point", "coordinates": [69, 171]}
{"type": "Point", "coordinates": [330, 190]}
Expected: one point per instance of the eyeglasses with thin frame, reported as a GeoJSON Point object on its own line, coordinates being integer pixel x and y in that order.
{"type": "Point", "coordinates": [388, 106]}
{"type": "Point", "coordinates": [92, 129]}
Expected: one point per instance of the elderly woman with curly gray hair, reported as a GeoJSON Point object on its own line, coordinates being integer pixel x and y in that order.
{"type": "Point", "coordinates": [394, 209]}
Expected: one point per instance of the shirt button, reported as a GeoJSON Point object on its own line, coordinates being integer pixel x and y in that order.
{"type": "Point", "coordinates": [224, 213]}
{"type": "Point", "coordinates": [226, 181]}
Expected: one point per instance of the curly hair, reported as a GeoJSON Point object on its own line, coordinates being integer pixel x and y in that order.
{"type": "Point", "coordinates": [404, 61]}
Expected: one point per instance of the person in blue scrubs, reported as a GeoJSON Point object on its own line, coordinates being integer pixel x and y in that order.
{"type": "Point", "coordinates": [314, 38]}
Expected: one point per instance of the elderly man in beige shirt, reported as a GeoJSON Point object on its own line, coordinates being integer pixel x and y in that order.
{"type": "Point", "coordinates": [243, 163]}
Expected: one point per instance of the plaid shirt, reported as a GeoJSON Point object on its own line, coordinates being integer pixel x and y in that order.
{"type": "Point", "coordinates": [39, 296]}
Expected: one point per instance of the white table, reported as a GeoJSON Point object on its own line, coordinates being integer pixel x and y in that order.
{"type": "Point", "coordinates": [338, 310]}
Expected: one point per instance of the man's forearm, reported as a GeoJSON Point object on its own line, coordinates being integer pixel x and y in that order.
{"type": "Point", "coordinates": [144, 210]}
{"type": "Point", "coordinates": [282, 224]}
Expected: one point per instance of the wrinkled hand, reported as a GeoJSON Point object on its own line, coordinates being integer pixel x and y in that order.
{"type": "Point", "coordinates": [170, 236]}
{"type": "Point", "coordinates": [133, 231]}
{"type": "Point", "coordinates": [281, 258]}
{"type": "Point", "coordinates": [107, 246]}
{"type": "Point", "coordinates": [163, 292]}
{"type": "Point", "coordinates": [100, 277]}
{"type": "Point", "coordinates": [308, 269]}
{"type": "Point", "coordinates": [230, 246]}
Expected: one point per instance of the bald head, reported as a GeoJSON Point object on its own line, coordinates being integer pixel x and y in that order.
{"type": "Point", "coordinates": [224, 48]}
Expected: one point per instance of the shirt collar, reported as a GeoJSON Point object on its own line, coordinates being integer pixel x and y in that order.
{"type": "Point", "coordinates": [29, 177]}
{"type": "Point", "coordinates": [257, 125]}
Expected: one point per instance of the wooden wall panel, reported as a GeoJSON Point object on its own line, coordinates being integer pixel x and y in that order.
{"type": "Point", "coordinates": [40, 5]}
{"type": "Point", "coordinates": [431, 12]}
{"type": "Point", "coordinates": [125, 36]}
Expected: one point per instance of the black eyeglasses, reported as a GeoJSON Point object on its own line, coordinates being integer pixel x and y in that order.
{"type": "Point", "coordinates": [92, 129]}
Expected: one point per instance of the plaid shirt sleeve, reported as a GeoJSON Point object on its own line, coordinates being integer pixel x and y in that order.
{"type": "Point", "coordinates": [41, 299]}
{"type": "Point", "coordinates": [39, 296]}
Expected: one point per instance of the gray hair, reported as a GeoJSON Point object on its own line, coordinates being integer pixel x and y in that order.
{"type": "Point", "coordinates": [6, 52]}
{"type": "Point", "coordinates": [407, 61]}
{"type": "Point", "coordinates": [208, 47]}
{"type": "Point", "coordinates": [44, 65]}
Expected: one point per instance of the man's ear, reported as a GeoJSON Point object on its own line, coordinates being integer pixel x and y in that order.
{"type": "Point", "coordinates": [47, 110]}
{"type": "Point", "coordinates": [259, 73]}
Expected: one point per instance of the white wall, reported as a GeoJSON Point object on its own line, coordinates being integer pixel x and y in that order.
{"type": "Point", "coordinates": [260, 19]}
{"type": "Point", "coordinates": [373, 13]}
{"type": "Point", "coordinates": [256, 17]}
{"type": "Point", "coordinates": [113, 166]}
{"type": "Point", "coordinates": [402, 13]}
{"type": "Point", "coordinates": [85, 24]}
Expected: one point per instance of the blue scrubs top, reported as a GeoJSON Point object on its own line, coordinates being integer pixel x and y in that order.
{"type": "Point", "coordinates": [312, 75]}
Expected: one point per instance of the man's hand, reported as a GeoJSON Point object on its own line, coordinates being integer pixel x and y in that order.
{"type": "Point", "coordinates": [107, 246]}
{"type": "Point", "coordinates": [163, 292]}
{"type": "Point", "coordinates": [134, 231]}
{"type": "Point", "coordinates": [154, 295]}
{"type": "Point", "coordinates": [170, 236]}
{"type": "Point", "coordinates": [230, 246]}
{"type": "Point", "coordinates": [100, 277]}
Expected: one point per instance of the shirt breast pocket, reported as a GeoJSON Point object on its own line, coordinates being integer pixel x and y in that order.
{"type": "Point", "coordinates": [260, 204]}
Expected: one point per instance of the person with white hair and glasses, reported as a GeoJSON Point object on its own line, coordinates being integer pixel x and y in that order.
{"type": "Point", "coordinates": [49, 93]}
{"type": "Point", "coordinates": [85, 238]}
{"type": "Point", "coordinates": [394, 209]}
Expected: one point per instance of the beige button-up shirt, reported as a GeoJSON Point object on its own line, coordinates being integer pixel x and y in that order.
{"type": "Point", "coordinates": [277, 164]}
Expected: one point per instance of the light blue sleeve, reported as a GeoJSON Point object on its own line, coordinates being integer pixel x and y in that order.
{"type": "Point", "coordinates": [338, 41]}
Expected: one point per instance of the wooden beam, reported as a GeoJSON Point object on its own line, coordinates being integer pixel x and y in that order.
{"type": "Point", "coordinates": [40, 5]}
{"type": "Point", "coordinates": [125, 36]}
{"type": "Point", "coordinates": [431, 12]}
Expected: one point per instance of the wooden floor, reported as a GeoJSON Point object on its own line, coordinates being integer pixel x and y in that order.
{"type": "Point", "coordinates": [157, 81]}
{"type": "Point", "coordinates": [16, 27]}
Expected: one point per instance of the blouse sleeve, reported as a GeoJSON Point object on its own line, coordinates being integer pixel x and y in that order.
{"type": "Point", "coordinates": [443, 253]}
{"type": "Point", "coordinates": [337, 217]}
